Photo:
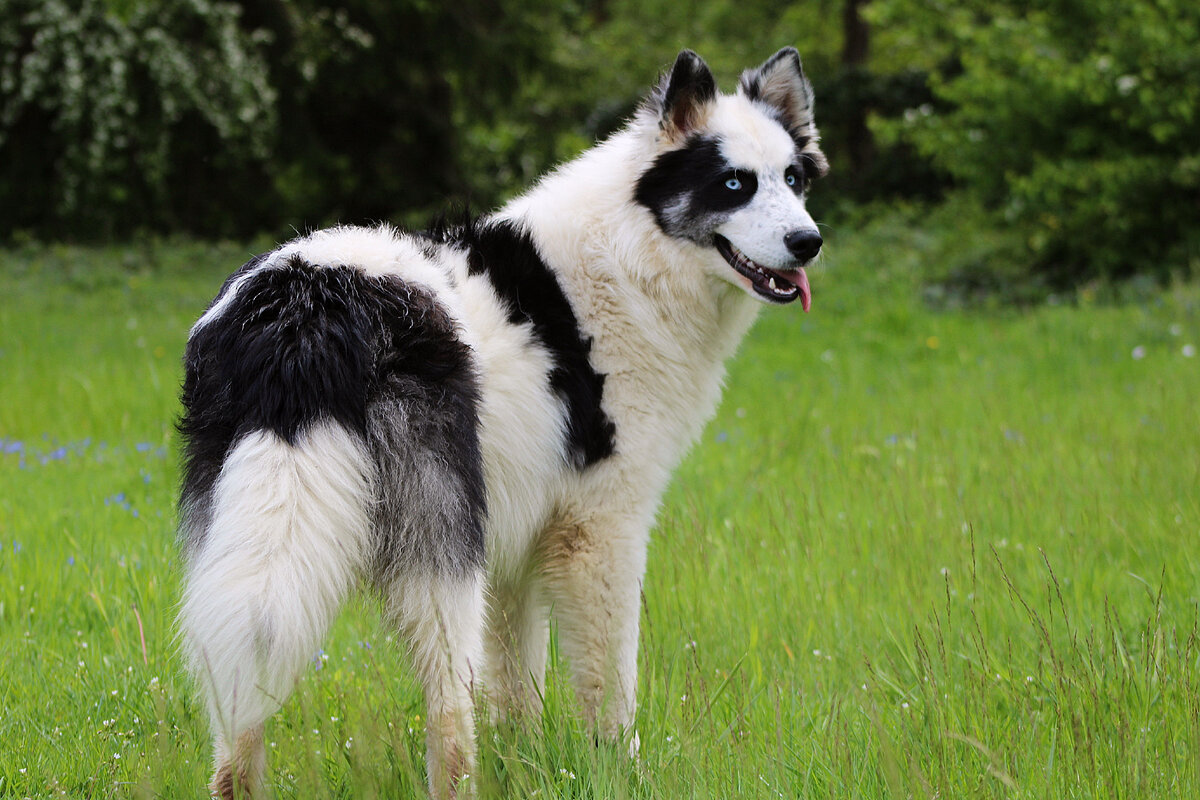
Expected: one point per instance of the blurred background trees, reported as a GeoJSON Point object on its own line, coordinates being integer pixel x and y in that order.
{"type": "Point", "coordinates": [1063, 135]}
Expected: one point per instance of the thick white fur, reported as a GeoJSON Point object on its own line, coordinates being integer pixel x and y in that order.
{"type": "Point", "coordinates": [663, 315]}
{"type": "Point", "coordinates": [285, 546]}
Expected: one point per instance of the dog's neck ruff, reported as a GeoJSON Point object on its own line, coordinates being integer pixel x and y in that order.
{"type": "Point", "coordinates": [588, 226]}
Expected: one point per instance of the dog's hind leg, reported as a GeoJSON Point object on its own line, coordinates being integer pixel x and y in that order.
{"type": "Point", "coordinates": [515, 649]}
{"type": "Point", "coordinates": [286, 539]}
{"type": "Point", "coordinates": [441, 617]}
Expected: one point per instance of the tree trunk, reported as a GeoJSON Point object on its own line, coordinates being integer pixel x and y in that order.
{"type": "Point", "coordinates": [855, 49]}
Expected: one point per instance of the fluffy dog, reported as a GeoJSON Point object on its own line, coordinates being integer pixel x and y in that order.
{"type": "Point", "coordinates": [478, 421]}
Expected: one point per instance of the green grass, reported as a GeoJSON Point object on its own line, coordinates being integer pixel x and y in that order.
{"type": "Point", "coordinates": [916, 554]}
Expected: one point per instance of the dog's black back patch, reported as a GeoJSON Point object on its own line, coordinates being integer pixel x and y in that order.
{"type": "Point", "coordinates": [510, 259]}
{"type": "Point", "coordinates": [298, 344]}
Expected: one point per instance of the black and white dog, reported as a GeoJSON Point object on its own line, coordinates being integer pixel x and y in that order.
{"type": "Point", "coordinates": [479, 421]}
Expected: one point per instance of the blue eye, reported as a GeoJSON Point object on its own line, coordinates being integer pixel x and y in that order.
{"type": "Point", "coordinates": [733, 184]}
{"type": "Point", "coordinates": [791, 179]}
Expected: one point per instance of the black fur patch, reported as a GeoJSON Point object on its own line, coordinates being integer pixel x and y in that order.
{"type": "Point", "coordinates": [300, 344]}
{"type": "Point", "coordinates": [525, 283]}
{"type": "Point", "coordinates": [423, 432]}
{"type": "Point", "coordinates": [688, 88]}
{"type": "Point", "coordinates": [689, 184]}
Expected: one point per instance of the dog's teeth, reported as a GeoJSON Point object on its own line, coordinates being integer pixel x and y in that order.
{"type": "Point", "coordinates": [772, 285]}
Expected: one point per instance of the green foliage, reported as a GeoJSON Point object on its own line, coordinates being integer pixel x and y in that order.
{"type": "Point", "coordinates": [1075, 121]}
{"type": "Point", "coordinates": [1066, 129]}
{"type": "Point", "coordinates": [404, 107]}
{"type": "Point", "coordinates": [233, 117]}
{"type": "Point", "coordinates": [104, 118]}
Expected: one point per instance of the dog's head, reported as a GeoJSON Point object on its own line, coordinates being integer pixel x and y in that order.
{"type": "Point", "coordinates": [731, 172]}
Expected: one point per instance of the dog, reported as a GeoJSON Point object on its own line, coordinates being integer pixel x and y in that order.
{"type": "Point", "coordinates": [478, 421]}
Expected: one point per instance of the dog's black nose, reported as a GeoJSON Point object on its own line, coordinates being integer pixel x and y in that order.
{"type": "Point", "coordinates": [803, 244]}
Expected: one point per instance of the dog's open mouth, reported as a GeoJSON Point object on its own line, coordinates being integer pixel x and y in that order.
{"type": "Point", "coordinates": [778, 286]}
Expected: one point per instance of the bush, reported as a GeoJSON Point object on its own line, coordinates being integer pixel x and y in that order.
{"type": "Point", "coordinates": [111, 123]}
{"type": "Point", "coordinates": [1076, 123]}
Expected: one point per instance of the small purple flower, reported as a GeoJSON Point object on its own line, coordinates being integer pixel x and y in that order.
{"type": "Point", "coordinates": [13, 446]}
{"type": "Point", "coordinates": [143, 447]}
{"type": "Point", "coordinates": [70, 561]}
{"type": "Point", "coordinates": [722, 436]}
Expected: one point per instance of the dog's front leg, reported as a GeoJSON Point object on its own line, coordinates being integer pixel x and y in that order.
{"type": "Point", "coordinates": [593, 573]}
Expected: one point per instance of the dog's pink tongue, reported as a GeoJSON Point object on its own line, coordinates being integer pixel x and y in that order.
{"type": "Point", "coordinates": [805, 290]}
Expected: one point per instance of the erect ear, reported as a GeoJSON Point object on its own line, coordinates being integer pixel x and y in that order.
{"type": "Point", "coordinates": [780, 84]}
{"type": "Point", "coordinates": [684, 96]}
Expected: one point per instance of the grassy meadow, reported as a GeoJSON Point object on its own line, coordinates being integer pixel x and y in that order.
{"type": "Point", "coordinates": [918, 553]}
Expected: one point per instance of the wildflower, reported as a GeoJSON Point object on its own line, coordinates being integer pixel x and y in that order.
{"type": "Point", "coordinates": [1138, 353]}
{"type": "Point", "coordinates": [1189, 351]}
{"type": "Point", "coordinates": [933, 343]}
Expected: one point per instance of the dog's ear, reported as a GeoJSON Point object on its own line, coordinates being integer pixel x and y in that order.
{"type": "Point", "coordinates": [780, 84]}
{"type": "Point", "coordinates": [684, 96]}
